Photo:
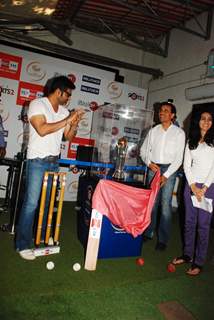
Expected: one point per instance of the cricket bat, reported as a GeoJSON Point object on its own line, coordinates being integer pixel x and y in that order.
{"type": "Point", "coordinates": [93, 240]}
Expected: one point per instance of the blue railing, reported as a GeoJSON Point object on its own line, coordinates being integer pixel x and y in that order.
{"type": "Point", "coordinates": [99, 165]}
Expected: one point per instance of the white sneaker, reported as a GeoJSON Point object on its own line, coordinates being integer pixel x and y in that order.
{"type": "Point", "coordinates": [50, 241]}
{"type": "Point", "coordinates": [27, 254]}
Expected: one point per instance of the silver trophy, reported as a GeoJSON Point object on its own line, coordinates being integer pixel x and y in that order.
{"type": "Point", "coordinates": [121, 149]}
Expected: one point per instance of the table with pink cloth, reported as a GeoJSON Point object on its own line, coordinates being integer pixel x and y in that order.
{"type": "Point", "coordinates": [126, 206]}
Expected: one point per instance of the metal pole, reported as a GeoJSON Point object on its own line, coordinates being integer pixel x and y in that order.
{"type": "Point", "coordinates": [17, 199]}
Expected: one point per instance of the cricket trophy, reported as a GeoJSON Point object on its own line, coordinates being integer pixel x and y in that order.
{"type": "Point", "coordinates": [121, 149]}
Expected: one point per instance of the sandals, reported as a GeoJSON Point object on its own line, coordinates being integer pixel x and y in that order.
{"type": "Point", "coordinates": [195, 270]}
{"type": "Point", "coordinates": [181, 260]}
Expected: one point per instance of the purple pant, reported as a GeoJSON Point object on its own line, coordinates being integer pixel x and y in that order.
{"type": "Point", "coordinates": [197, 227]}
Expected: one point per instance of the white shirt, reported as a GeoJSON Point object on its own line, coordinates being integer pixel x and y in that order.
{"type": "Point", "coordinates": [40, 147]}
{"type": "Point", "coordinates": [199, 164]}
{"type": "Point", "coordinates": [164, 147]}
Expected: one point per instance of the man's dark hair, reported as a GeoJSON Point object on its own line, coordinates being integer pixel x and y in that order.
{"type": "Point", "coordinates": [172, 106]}
{"type": "Point", "coordinates": [60, 82]}
{"type": "Point", "coordinates": [195, 132]}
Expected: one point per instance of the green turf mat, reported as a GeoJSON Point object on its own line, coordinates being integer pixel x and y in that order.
{"type": "Point", "coordinates": [118, 289]}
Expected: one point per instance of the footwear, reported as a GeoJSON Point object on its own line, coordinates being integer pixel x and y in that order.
{"type": "Point", "coordinates": [160, 246]}
{"type": "Point", "coordinates": [27, 254]}
{"type": "Point", "coordinates": [195, 270]}
{"type": "Point", "coordinates": [50, 241]}
{"type": "Point", "coordinates": [182, 259]}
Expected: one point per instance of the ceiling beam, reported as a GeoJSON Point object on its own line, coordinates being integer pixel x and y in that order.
{"type": "Point", "coordinates": [78, 55]}
{"type": "Point", "coordinates": [58, 32]}
{"type": "Point", "coordinates": [150, 46]}
{"type": "Point", "coordinates": [76, 10]}
{"type": "Point", "coordinates": [193, 5]}
{"type": "Point", "coordinates": [150, 13]}
{"type": "Point", "coordinates": [209, 24]}
{"type": "Point", "coordinates": [145, 11]}
{"type": "Point", "coordinates": [206, 32]}
{"type": "Point", "coordinates": [17, 19]}
{"type": "Point", "coordinates": [57, 28]}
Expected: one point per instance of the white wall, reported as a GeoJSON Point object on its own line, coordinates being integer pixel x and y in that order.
{"type": "Point", "coordinates": [106, 48]}
{"type": "Point", "coordinates": [97, 45]}
{"type": "Point", "coordinates": [183, 68]}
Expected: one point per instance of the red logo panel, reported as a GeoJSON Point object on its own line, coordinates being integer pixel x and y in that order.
{"type": "Point", "coordinates": [28, 92]}
{"type": "Point", "coordinates": [10, 66]}
{"type": "Point", "coordinates": [72, 148]}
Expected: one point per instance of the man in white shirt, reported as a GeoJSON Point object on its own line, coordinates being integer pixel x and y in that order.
{"type": "Point", "coordinates": [49, 120]}
{"type": "Point", "coordinates": [163, 150]}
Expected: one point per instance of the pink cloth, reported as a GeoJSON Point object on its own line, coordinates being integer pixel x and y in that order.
{"type": "Point", "coordinates": [125, 206]}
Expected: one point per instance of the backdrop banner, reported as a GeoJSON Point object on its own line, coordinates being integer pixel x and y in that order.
{"type": "Point", "coordinates": [22, 79]}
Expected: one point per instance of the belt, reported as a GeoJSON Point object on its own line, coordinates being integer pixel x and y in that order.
{"type": "Point", "coordinates": [51, 159]}
{"type": "Point", "coordinates": [163, 165]}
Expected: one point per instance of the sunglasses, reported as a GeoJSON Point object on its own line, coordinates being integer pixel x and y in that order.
{"type": "Point", "coordinates": [68, 94]}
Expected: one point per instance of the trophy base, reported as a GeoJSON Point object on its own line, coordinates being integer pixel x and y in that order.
{"type": "Point", "coordinates": [118, 175]}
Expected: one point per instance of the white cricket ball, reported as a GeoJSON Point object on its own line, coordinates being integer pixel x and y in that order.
{"type": "Point", "coordinates": [76, 267]}
{"type": "Point", "coordinates": [50, 265]}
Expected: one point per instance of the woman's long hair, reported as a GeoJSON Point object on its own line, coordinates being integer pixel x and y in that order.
{"type": "Point", "coordinates": [195, 132]}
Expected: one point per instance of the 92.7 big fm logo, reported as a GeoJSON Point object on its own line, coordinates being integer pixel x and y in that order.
{"type": "Point", "coordinates": [10, 66]}
{"type": "Point", "coordinates": [28, 91]}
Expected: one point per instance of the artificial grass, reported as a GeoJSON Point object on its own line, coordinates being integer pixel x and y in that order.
{"type": "Point", "coordinates": [118, 289]}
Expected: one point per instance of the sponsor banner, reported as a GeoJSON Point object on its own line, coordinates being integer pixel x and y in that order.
{"type": "Point", "coordinates": [134, 96]}
{"type": "Point", "coordinates": [89, 79]}
{"type": "Point", "coordinates": [28, 92]}
{"type": "Point", "coordinates": [72, 146]}
{"type": "Point", "coordinates": [110, 115]}
{"type": "Point", "coordinates": [36, 71]}
{"type": "Point", "coordinates": [71, 185]}
{"type": "Point", "coordinates": [90, 89]}
{"type": "Point", "coordinates": [125, 94]}
{"type": "Point", "coordinates": [23, 77]}
{"type": "Point", "coordinates": [8, 94]}
{"type": "Point", "coordinates": [10, 66]}
{"type": "Point", "coordinates": [114, 90]}
{"type": "Point", "coordinates": [39, 68]}
{"type": "Point", "coordinates": [64, 150]}
{"type": "Point", "coordinates": [6, 90]}
{"type": "Point", "coordinates": [16, 136]}
{"type": "Point", "coordinates": [132, 130]}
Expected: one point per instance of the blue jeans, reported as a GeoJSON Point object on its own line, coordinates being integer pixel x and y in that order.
{"type": "Point", "coordinates": [35, 169]}
{"type": "Point", "coordinates": [164, 200]}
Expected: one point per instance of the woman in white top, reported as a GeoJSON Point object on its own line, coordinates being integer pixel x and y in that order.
{"type": "Point", "coordinates": [199, 192]}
